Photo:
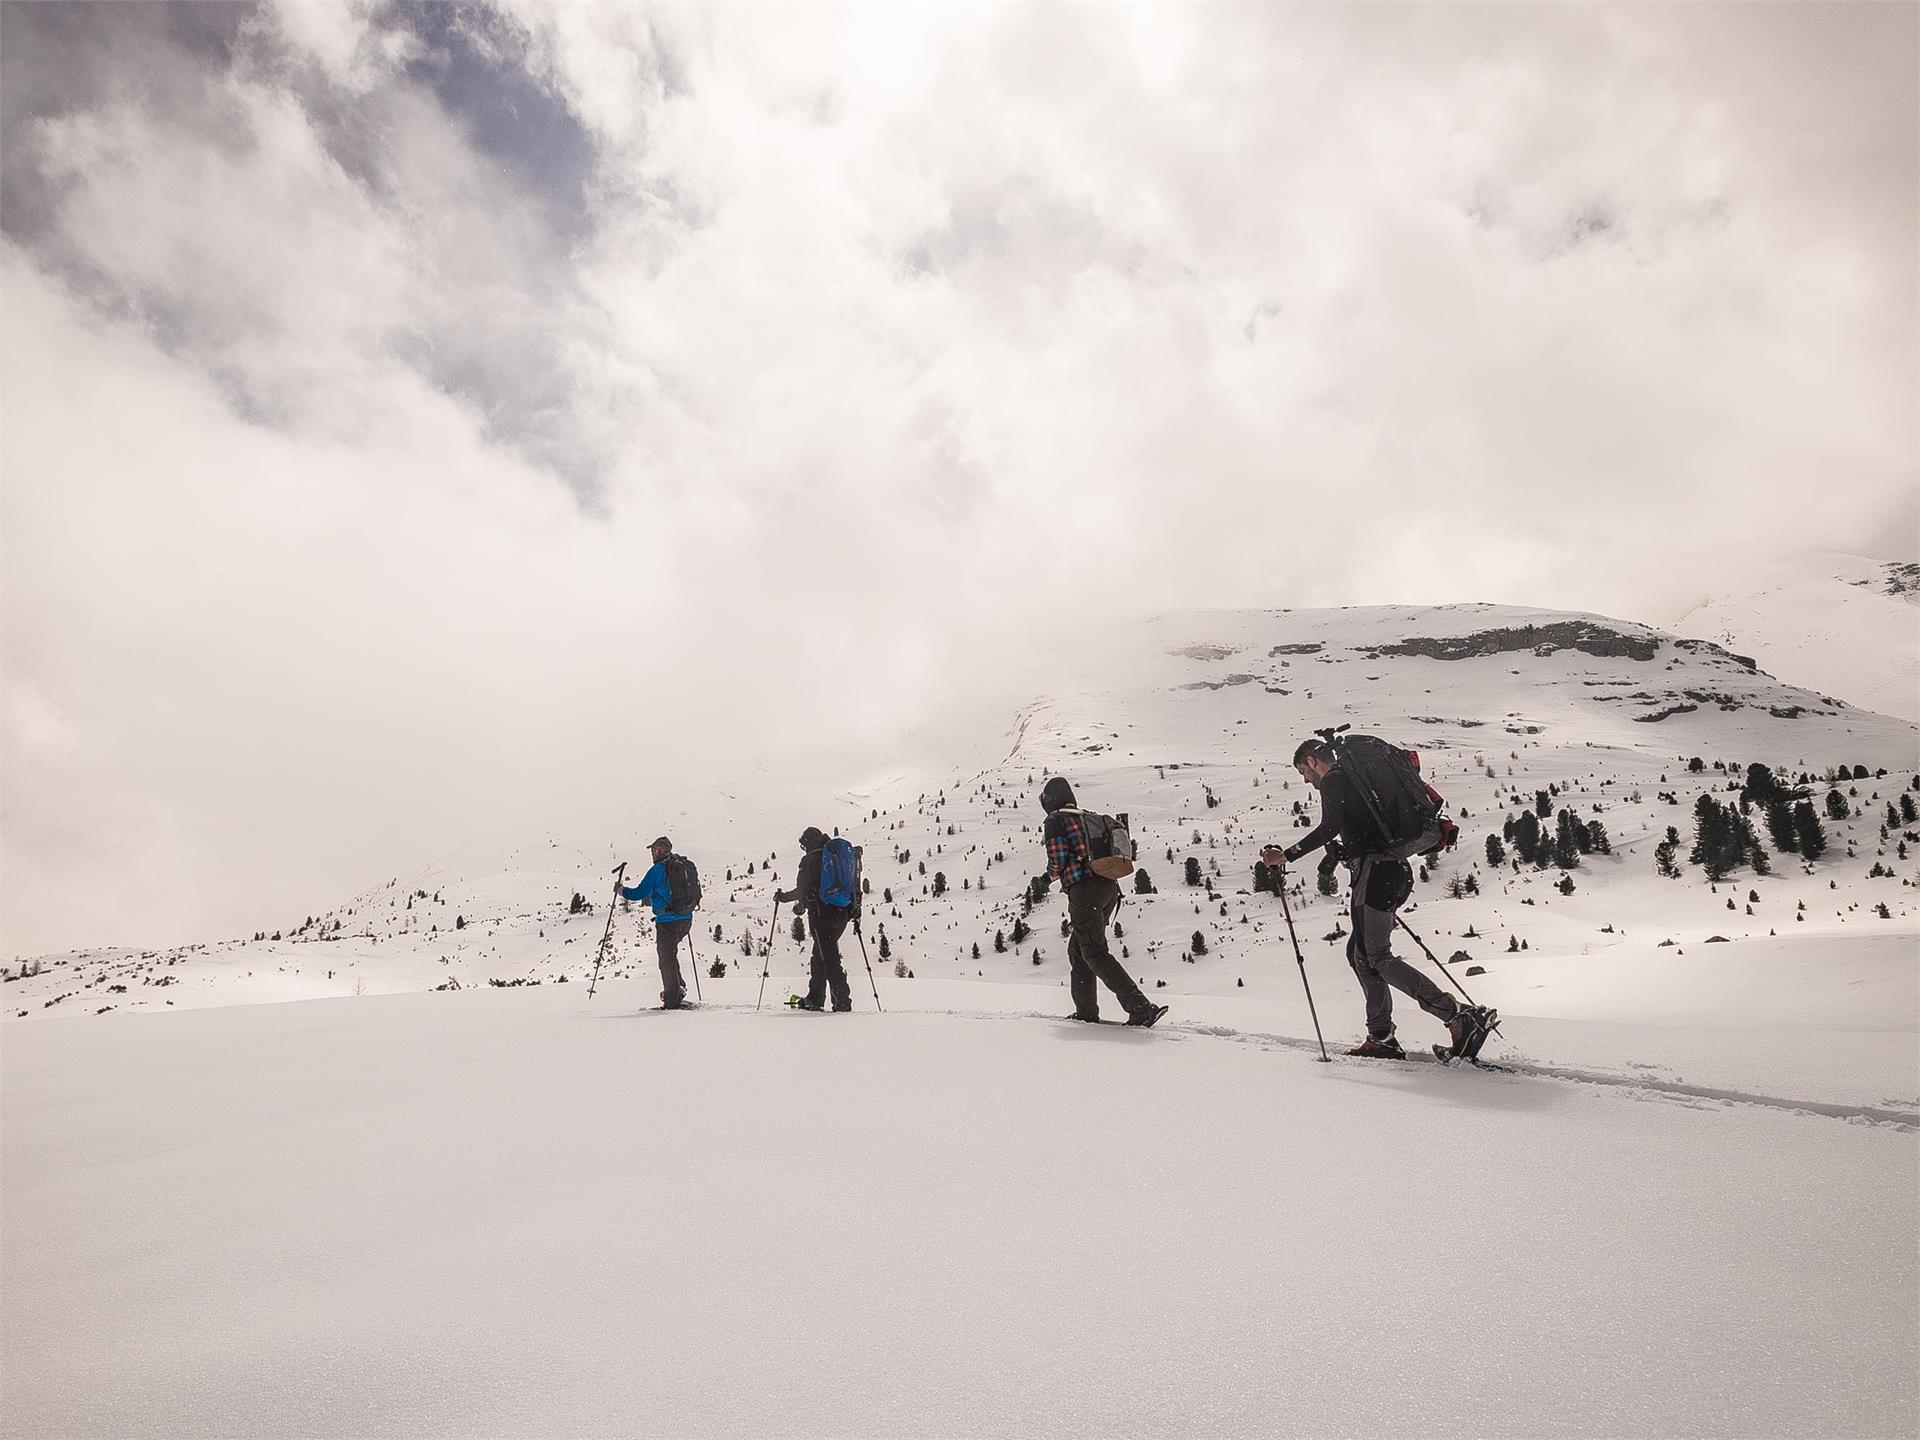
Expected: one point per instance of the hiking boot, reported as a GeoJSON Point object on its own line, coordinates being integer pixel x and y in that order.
{"type": "Point", "coordinates": [1468, 1030]}
{"type": "Point", "coordinates": [1084, 1019]}
{"type": "Point", "coordinates": [1148, 1017]}
{"type": "Point", "coordinates": [1372, 1049]}
{"type": "Point", "coordinates": [839, 1009]}
{"type": "Point", "coordinates": [795, 1002]}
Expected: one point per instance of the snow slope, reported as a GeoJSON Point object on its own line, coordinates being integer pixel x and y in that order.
{"type": "Point", "coordinates": [511, 1213]}
{"type": "Point", "coordinates": [1840, 624]}
{"type": "Point", "coordinates": [505, 1209]}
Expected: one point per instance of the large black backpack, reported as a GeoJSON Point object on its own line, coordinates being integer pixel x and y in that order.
{"type": "Point", "coordinates": [683, 885]}
{"type": "Point", "coordinates": [1387, 779]}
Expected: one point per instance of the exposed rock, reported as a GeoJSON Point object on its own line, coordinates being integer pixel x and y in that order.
{"type": "Point", "coordinates": [1221, 684]}
{"type": "Point", "coordinates": [1581, 635]}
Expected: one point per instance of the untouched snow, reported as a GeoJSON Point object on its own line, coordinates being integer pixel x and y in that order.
{"type": "Point", "coordinates": [517, 1213]}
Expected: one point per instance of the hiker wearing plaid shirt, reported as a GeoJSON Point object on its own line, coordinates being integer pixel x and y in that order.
{"type": "Point", "coordinates": [1091, 902]}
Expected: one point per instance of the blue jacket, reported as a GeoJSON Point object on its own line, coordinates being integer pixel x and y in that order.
{"type": "Point", "coordinates": [653, 889]}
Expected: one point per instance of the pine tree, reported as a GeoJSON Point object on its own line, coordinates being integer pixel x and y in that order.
{"type": "Point", "coordinates": [999, 942]}
{"type": "Point", "coordinates": [1714, 843]}
{"type": "Point", "coordinates": [939, 883]}
{"type": "Point", "coordinates": [1761, 787]}
{"type": "Point", "coordinates": [1199, 943]}
{"type": "Point", "coordinates": [1193, 870]}
{"type": "Point", "coordinates": [1542, 804]}
{"type": "Point", "coordinates": [1566, 841]}
{"type": "Point", "coordinates": [1780, 827]}
{"type": "Point", "coordinates": [1812, 834]}
{"type": "Point", "coordinates": [1665, 855]}
{"type": "Point", "coordinates": [1598, 841]}
{"type": "Point", "coordinates": [1142, 885]}
{"type": "Point", "coordinates": [1496, 852]}
{"type": "Point", "coordinates": [1837, 807]}
{"type": "Point", "coordinates": [1526, 837]}
{"type": "Point", "coordinates": [1020, 930]}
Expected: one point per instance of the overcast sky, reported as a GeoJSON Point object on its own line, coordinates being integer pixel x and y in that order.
{"type": "Point", "coordinates": [428, 424]}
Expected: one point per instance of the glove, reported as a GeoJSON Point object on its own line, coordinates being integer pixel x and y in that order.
{"type": "Point", "coordinates": [1274, 858]}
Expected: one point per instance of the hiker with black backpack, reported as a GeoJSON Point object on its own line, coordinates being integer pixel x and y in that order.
{"type": "Point", "coordinates": [672, 887]}
{"type": "Point", "coordinates": [827, 890]}
{"type": "Point", "coordinates": [1088, 853]}
{"type": "Point", "coordinates": [1377, 812]}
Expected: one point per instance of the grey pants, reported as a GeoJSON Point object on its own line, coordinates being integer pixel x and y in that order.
{"type": "Point", "coordinates": [1370, 952]}
{"type": "Point", "coordinates": [829, 975]}
{"type": "Point", "coordinates": [1090, 906]}
{"type": "Point", "coordinates": [667, 935]}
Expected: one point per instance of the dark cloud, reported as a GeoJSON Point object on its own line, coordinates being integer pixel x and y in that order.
{"type": "Point", "coordinates": [479, 63]}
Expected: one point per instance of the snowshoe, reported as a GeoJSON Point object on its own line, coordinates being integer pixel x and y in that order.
{"type": "Point", "coordinates": [1468, 1030]}
{"type": "Point", "coordinates": [1147, 1018]}
{"type": "Point", "coordinates": [1372, 1049]}
{"type": "Point", "coordinates": [1444, 1054]}
{"type": "Point", "coordinates": [800, 1002]}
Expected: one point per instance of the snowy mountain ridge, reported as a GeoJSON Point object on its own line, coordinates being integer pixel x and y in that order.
{"type": "Point", "coordinates": [1189, 725]}
{"type": "Point", "coordinates": [1844, 624]}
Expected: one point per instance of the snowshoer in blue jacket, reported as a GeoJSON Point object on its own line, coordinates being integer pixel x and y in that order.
{"type": "Point", "coordinates": [669, 926]}
{"type": "Point", "coordinates": [828, 922]}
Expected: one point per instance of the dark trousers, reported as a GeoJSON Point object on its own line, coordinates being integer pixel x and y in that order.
{"type": "Point", "coordinates": [829, 923]}
{"type": "Point", "coordinates": [1090, 907]}
{"type": "Point", "coordinates": [667, 935]}
{"type": "Point", "coordinates": [1370, 952]}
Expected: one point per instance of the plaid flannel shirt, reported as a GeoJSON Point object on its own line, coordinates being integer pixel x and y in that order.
{"type": "Point", "coordinates": [1067, 851]}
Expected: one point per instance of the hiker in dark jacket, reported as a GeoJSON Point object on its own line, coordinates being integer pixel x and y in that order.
{"type": "Point", "coordinates": [827, 921]}
{"type": "Point", "coordinates": [669, 926]}
{"type": "Point", "coordinates": [1091, 902]}
{"type": "Point", "coordinates": [1381, 885]}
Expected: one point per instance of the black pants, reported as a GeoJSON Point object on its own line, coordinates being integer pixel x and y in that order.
{"type": "Point", "coordinates": [667, 935]}
{"type": "Point", "coordinates": [1090, 907]}
{"type": "Point", "coordinates": [1370, 951]}
{"type": "Point", "coordinates": [828, 923]}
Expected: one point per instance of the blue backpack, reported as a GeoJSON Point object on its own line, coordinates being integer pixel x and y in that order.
{"type": "Point", "coordinates": [839, 873]}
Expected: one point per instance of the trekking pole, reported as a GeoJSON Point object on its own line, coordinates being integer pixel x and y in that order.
{"type": "Point", "coordinates": [863, 955]}
{"type": "Point", "coordinates": [694, 954]}
{"type": "Point", "coordinates": [766, 961]}
{"type": "Point", "coordinates": [1443, 969]}
{"type": "Point", "coordinates": [1301, 961]}
{"type": "Point", "coordinates": [619, 872]}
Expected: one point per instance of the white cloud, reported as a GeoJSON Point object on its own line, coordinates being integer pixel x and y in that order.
{"type": "Point", "coordinates": [367, 485]}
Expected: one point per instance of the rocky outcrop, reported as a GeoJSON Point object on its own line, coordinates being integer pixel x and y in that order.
{"type": "Point", "coordinates": [1581, 635]}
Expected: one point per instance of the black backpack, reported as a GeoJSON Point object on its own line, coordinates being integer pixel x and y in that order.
{"type": "Point", "coordinates": [1387, 779]}
{"type": "Point", "coordinates": [683, 885]}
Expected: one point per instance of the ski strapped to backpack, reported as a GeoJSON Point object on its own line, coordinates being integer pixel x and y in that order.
{"type": "Point", "coordinates": [683, 885]}
{"type": "Point", "coordinates": [1110, 846]}
{"type": "Point", "coordinates": [1403, 805]}
{"type": "Point", "coordinates": [839, 872]}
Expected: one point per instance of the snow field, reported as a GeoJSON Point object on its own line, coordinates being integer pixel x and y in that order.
{"type": "Point", "coordinates": [509, 1213]}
